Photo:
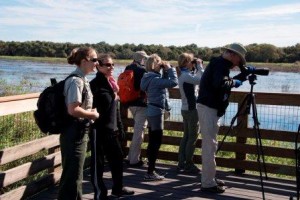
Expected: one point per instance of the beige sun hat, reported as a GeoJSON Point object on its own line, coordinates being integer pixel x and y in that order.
{"type": "Point", "coordinates": [138, 56]}
{"type": "Point", "coordinates": [238, 49]}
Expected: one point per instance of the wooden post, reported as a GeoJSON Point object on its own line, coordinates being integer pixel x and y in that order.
{"type": "Point", "coordinates": [51, 151]}
{"type": "Point", "coordinates": [242, 121]}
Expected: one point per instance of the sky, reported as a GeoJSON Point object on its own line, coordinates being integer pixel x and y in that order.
{"type": "Point", "coordinates": [206, 23]}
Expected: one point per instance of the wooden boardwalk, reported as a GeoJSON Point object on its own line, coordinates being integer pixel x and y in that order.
{"type": "Point", "coordinates": [184, 186]}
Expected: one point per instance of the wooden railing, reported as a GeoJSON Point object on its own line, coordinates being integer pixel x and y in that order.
{"type": "Point", "coordinates": [52, 160]}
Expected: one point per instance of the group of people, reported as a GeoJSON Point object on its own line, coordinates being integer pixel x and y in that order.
{"type": "Point", "coordinates": [95, 107]}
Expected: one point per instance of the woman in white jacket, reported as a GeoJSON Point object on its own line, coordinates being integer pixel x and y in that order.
{"type": "Point", "coordinates": [189, 71]}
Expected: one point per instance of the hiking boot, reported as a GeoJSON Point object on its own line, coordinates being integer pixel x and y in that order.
{"type": "Point", "coordinates": [124, 192]}
{"type": "Point", "coordinates": [153, 177]}
{"type": "Point", "coordinates": [219, 182]}
{"type": "Point", "coordinates": [193, 169]}
{"type": "Point", "coordinates": [138, 164]}
{"type": "Point", "coordinates": [104, 198]}
{"type": "Point", "coordinates": [214, 189]}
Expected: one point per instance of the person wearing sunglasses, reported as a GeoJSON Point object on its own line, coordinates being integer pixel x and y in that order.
{"type": "Point", "coordinates": [155, 86]}
{"type": "Point", "coordinates": [73, 139]}
{"type": "Point", "coordinates": [107, 131]}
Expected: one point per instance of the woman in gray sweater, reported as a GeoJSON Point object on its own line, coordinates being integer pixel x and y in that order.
{"type": "Point", "coordinates": [190, 71]}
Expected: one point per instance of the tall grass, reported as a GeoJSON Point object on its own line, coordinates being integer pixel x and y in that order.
{"type": "Point", "coordinates": [16, 129]}
{"type": "Point", "coordinates": [53, 60]}
{"type": "Point", "coordinates": [24, 86]}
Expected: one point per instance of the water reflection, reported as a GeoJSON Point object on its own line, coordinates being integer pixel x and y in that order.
{"type": "Point", "coordinates": [39, 74]}
{"type": "Point", "coordinates": [36, 76]}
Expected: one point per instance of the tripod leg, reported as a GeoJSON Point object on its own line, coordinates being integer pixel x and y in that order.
{"type": "Point", "coordinates": [297, 171]}
{"type": "Point", "coordinates": [297, 160]}
{"type": "Point", "coordinates": [239, 112]}
{"type": "Point", "coordinates": [258, 135]}
{"type": "Point", "coordinates": [260, 153]}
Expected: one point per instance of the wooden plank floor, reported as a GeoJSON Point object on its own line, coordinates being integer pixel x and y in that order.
{"type": "Point", "coordinates": [184, 186]}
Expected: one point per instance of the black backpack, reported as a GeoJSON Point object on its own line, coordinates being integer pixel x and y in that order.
{"type": "Point", "coordinates": [51, 115]}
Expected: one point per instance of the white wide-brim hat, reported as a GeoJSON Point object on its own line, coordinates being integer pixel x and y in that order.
{"type": "Point", "coordinates": [238, 49]}
{"type": "Point", "coordinates": [139, 56]}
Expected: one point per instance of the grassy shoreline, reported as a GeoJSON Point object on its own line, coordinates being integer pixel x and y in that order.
{"type": "Point", "coordinates": [51, 60]}
{"type": "Point", "coordinates": [277, 67]}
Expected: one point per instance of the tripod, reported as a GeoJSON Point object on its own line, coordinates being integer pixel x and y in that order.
{"type": "Point", "coordinates": [249, 100]}
{"type": "Point", "coordinates": [297, 156]}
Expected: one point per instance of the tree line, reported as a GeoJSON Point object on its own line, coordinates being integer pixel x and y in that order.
{"type": "Point", "coordinates": [256, 52]}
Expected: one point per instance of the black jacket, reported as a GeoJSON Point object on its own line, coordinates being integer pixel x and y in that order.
{"type": "Point", "coordinates": [106, 105]}
{"type": "Point", "coordinates": [216, 84]}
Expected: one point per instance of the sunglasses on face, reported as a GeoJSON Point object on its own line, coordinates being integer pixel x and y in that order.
{"type": "Point", "coordinates": [107, 64]}
{"type": "Point", "coordinates": [93, 59]}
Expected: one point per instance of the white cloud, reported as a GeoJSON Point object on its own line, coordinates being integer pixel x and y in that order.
{"type": "Point", "coordinates": [168, 22]}
{"type": "Point", "coordinates": [274, 11]}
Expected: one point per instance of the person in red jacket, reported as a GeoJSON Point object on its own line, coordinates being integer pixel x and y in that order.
{"type": "Point", "coordinates": [138, 110]}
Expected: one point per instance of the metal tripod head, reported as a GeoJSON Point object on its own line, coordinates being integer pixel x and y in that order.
{"type": "Point", "coordinates": [251, 78]}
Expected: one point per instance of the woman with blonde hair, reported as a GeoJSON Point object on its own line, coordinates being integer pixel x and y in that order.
{"type": "Point", "coordinates": [190, 71]}
{"type": "Point", "coordinates": [155, 87]}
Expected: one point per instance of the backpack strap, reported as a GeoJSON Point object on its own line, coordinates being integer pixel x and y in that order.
{"type": "Point", "coordinates": [84, 91]}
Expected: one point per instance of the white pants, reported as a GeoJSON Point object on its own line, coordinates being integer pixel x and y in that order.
{"type": "Point", "coordinates": [209, 123]}
{"type": "Point", "coordinates": [140, 123]}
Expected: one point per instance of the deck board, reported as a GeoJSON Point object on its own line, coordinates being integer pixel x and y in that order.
{"type": "Point", "coordinates": [184, 186]}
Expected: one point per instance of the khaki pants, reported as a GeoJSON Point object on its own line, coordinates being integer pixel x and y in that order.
{"type": "Point", "coordinates": [209, 123]}
{"type": "Point", "coordinates": [140, 123]}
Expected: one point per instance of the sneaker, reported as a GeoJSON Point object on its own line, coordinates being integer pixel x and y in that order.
{"type": "Point", "coordinates": [161, 173]}
{"type": "Point", "coordinates": [138, 164]}
{"type": "Point", "coordinates": [214, 189]}
{"type": "Point", "coordinates": [124, 192]}
{"type": "Point", "coordinates": [193, 169]}
{"type": "Point", "coordinates": [219, 182]}
{"type": "Point", "coordinates": [179, 169]}
{"type": "Point", "coordinates": [153, 177]}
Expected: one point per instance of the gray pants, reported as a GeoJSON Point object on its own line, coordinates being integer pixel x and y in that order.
{"type": "Point", "coordinates": [188, 141]}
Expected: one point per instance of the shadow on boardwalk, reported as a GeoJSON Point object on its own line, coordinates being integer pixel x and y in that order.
{"type": "Point", "coordinates": [184, 186]}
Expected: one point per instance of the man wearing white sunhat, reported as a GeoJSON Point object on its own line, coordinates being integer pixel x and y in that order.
{"type": "Point", "coordinates": [138, 109]}
{"type": "Point", "coordinates": [214, 92]}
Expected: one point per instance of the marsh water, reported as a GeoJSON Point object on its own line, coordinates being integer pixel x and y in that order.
{"type": "Point", "coordinates": [36, 76]}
